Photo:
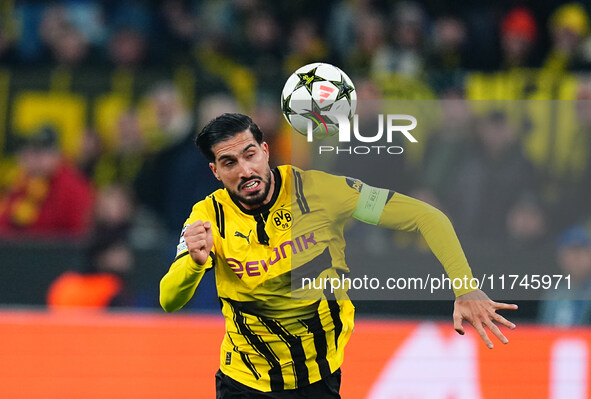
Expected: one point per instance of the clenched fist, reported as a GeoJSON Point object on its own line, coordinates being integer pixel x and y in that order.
{"type": "Point", "coordinates": [199, 240]}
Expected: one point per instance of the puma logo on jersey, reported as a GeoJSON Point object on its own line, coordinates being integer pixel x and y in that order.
{"type": "Point", "coordinates": [239, 234]}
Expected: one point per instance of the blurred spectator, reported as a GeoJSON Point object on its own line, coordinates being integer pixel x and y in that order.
{"type": "Point", "coordinates": [341, 27]}
{"type": "Point", "coordinates": [221, 22]}
{"type": "Point", "coordinates": [370, 40]}
{"type": "Point", "coordinates": [569, 25]}
{"type": "Point", "coordinates": [490, 180]}
{"type": "Point", "coordinates": [165, 117]}
{"type": "Point", "coordinates": [445, 150]}
{"type": "Point", "coordinates": [392, 52]}
{"type": "Point", "coordinates": [261, 50]}
{"type": "Point", "coordinates": [65, 44]}
{"type": "Point", "coordinates": [180, 18]}
{"type": "Point", "coordinates": [446, 56]}
{"type": "Point", "coordinates": [570, 305]}
{"type": "Point", "coordinates": [103, 283]}
{"type": "Point", "coordinates": [90, 153]}
{"type": "Point", "coordinates": [70, 48]}
{"type": "Point", "coordinates": [173, 177]}
{"type": "Point", "coordinates": [406, 55]}
{"type": "Point", "coordinates": [574, 200]}
{"type": "Point", "coordinates": [131, 23]}
{"type": "Point", "coordinates": [8, 52]}
{"type": "Point", "coordinates": [566, 162]}
{"type": "Point", "coordinates": [305, 46]}
{"type": "Point", "coordinates": [89, 18]}
{"type": "Point", "coordinates": [114, 211]}
{"type": "Point", "coordinates": [49, 198]}
{"type": "Point", "coordinates": [518, 37]}
{"type": "Point", "coordinates": [181, 28]}
{"type": "Point", "coordinates": [526, 221]}
{"type": "Point", "coordinates": [449, 37]}
{"type": "Point", "coordinates": [127, 48]}
{"type": "Point", "coordinates": [122, 163]}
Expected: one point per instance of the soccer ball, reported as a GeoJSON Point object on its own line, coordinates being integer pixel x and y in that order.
{"type": "Point", "coordinates": [313, 91]}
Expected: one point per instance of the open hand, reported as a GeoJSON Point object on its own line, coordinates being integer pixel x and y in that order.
{"type": "Point", "coordinates": [480, 311]}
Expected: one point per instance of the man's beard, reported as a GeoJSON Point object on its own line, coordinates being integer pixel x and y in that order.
{"type": "Point", "coordinates": [253, 199]}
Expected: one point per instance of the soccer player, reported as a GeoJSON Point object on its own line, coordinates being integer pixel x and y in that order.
{"type": "Point", "coordinates": [268, 228]}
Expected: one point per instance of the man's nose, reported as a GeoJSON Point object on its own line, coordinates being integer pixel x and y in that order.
{"type": "Point", "coordinates": [245, 169]}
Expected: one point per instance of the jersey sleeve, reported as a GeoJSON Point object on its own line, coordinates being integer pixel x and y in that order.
{"type": "Point", "coordinates": [339, 195]}
{"type": "Point", "coordinates": [179, 284]}
{"type": "Point", "coordinates": [405, 213]}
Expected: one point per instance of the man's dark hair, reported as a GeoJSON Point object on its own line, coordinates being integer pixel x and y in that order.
{"type": "Point", "coordinates": [223, 128]}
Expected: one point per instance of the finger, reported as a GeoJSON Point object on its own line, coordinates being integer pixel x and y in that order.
{"type": "Point", "coordinates": [193, 240]}
{"type": "Point", "coordinates": [501, 305]}
{"type": "Point", "coordinates": [199, 244]}
{"type": "Point", "coordinates": [197, 233]}
{"type": "Point", "coordinates": [196, 242]}
{"type": "Point", "coordinates": [207, 225]}
{"type": "Point", "coordinates": [458, 323]}
{"type": "Point", "coordinates": [194, 231]}
{"type": "Point", "coordinates": [500, 319]}
{"type": "Point", "coordinates": [196, 223]}
{"type": "Point", "coordinates": [495, 330]}
{"type": "Point", "coordinates": [483, 335]}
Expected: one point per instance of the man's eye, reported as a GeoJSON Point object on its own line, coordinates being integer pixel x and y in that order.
{"type": "Point", "coordinates": [250, 155]}
{"type": "Point", "coordinates": [228, 163]}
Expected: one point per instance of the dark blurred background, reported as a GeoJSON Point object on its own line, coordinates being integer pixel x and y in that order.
{"type": "Point", "coordinates": [99, 102]}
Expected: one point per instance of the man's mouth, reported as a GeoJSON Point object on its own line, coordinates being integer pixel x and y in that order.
{"type": "Point", "coordinates": [251, 185]}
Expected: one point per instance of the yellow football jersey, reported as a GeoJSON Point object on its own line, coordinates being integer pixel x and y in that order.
{"type": "Point", "coordinates": [274, 342]}
{"type": "Point", "coordinates": [278, 335]}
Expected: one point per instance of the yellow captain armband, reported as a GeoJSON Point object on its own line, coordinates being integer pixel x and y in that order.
{"type": "Point", "coordinates": [371, 204]}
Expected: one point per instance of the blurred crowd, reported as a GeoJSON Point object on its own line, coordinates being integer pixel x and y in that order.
{"type": "Point", "coordinates": [429, 40]}
{"type": "Point", "coordinates": [504, 172]}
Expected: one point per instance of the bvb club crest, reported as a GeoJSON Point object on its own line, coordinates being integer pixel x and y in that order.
{"type": "Point", "coordinates": [281, 219]}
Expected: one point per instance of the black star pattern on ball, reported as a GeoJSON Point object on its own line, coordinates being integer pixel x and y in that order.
{"type": "Point", "coordinates": [345, 89]}
{"type": "Point", "coordinates": [285, 107]}
{"type": "Point", "coordinates": [307, 79]}
{"type": "Point", "coordinates": [317, 108]}
{"type": "Point", "coordinates": [315, 113]}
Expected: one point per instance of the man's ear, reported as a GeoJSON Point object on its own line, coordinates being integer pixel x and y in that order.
{"type": "Point", "coordinates": [214, 170]}
{"type": "Point", "coordinates": [265, 148]}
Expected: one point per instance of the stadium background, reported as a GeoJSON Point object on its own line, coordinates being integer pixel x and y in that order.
{"type": "Point", "coordinates": [125, 84]}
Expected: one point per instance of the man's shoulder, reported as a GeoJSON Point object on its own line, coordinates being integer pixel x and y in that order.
{"type": "Point", "coordinates": [209, 202]}
{"type": "Point", "coordinates": [306, 173]}
{"type": "Point", "coordinates": [322, 189]}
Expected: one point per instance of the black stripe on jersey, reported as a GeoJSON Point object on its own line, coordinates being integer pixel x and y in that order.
{"type": "Point", "coordinates": [244, 357]}
{"type": "Point", "coordinates": [314, 325]}
{"type": "Point", "coordinates": [211, 255]}
{"type": "Point", "coordinates": [261, 348]}
{"type": "Point", "coordinates": [311, 269]}
{"type": "Point", "coordinates": [181, 255]}
{"type": "Point", "coordinates": [300, 197]}
{"type": "Point", "coordinates": [219, 216]}
{"type": "Point", "coordinates": [261, 220]}
{"type": "Point", "coordinates": [335, 313]}
{"type": "Point", "coordinates": [296, 349]}
{"type": "Point", "coordinates": [390, 195]}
